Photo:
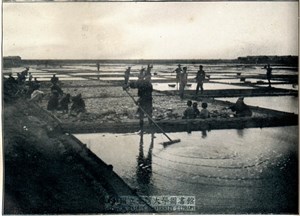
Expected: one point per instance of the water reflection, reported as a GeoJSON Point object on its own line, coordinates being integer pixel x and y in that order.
{"type": "Point", "coordinates": [144, 164]}
{"type": "Point", "coordinates": [240, 132]}
{"type": "Point", "coordinates": [204, 134]}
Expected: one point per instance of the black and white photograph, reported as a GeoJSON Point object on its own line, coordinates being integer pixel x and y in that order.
{"type": "Point", "coordinates": [150, 107]}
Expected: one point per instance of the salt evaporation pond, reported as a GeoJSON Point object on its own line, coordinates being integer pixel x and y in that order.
{"type": "Point", "coordinates": [131, 78]}
{"type": "Point", "coordinates": [207, 86]}
{"type": "Point", "coordinates": [284, 86]}
{"type": "Point", "coordinates": [62, 78]}
{"type": "Point", "coordinates": [280, 103]}
{"type": "Point", "coordinates": [228, 171]}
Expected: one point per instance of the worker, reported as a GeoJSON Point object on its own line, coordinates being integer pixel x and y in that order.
{"type": "Point", "coordinates": [269, 74]}
{"type": "Point", "coordinates": [178, 71]}
{"type": "Point", "coordinates": [54, 79]}
{"type": "Point", "coordinates": [189, 111]}
{"type": "Point", "coordinates": [64, 103]}
{"type": "Point", "coordinates": [78, 106]}
{"type": "Point", "coordinates": [200, 77]}
{"type": "Point", "coordinates": [55, 87]}
{"type": "Point", "coordinates": [53, 102]}
{"type": "Point", "coordinates": [183, 82]}
{"type": "Point", "coordinates": [127, 75]}
{"type": "Point", "coordinates": [145, 90]}
{"type": "Point", "coordinates": [204, 113]}
{"type": "Point", "coordinates": [240, 108]}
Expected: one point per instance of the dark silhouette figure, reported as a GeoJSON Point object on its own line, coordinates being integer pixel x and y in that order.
{"type": "Point", "coordinates": [145, 90]}
{"type": "Point", "coordinates": [127, 75]}
{"type": "Point", "coordinates": [21, 78]}
{"type": "Point", "coordinates": [240, 108]}
{"type": "Point", "coordinates": [189, 112]}
{"type": "Point", "coordinates": [141, 74]}
{"type": "Point", "coordinates": [203, 134]}
{"type": "Point", "coordinates": [64, 103]}
{"type": "Point", "coordinates": [55, 88]}
{"type": "Point", "coordinates": [148, 71]}
{"type": "Point", "coordinates": [98, 69]}
{"type": "Point", "coordinates": [178, 71]}
{"type": "Point", "coordinates": [24, 73]}
{"type": "Point", "coordinates": [54, 79]}
{"type": "Point", "coordinates": [78, 105]}
{"type": "Point", "coordinates": [53, 102]}
{"type": "Point", "coordinates": [200, 77]}
{"type": "Point", "coordinates": [11, 79]}
{"type": "Point", "coordinates": [269, 74]}
{"type": "Point", "coordinates": [10, 88]}
{"type": "Point", "coordinates": [204, 113]}
{"type": "Point", "coordinates": [183, 82]}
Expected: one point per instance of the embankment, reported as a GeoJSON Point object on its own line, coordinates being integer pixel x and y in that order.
{"type": "Point", "coordinates": [49, 172]}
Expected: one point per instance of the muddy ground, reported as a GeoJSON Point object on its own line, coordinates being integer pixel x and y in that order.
{"type": "Point", "coordinates": [107, 102]}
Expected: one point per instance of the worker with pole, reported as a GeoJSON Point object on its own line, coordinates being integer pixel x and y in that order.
{"type": "Point", "coordinates": [144, 103]}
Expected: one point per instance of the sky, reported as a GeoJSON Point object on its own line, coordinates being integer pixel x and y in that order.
{"type": "Point", "coordinates": [130, 30]}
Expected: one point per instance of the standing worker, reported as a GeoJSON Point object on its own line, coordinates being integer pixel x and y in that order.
{"type": "Point", "coordinates": [148, 71]}
{"type": "Point", "coordinates": [54, 80]}
{"type": "Point", "coordinates": [141, 74]}
{"type": "Point", "coordinates": [269, 74]}
{"type": "Point", "coordinates": [127, 75]}
{"type": "Point", "coordinates": [183, 82]}
{"type": "Point", "coordinates": [145, 90]}
{"type": "Point", "coordinates": [200, 79]}
{"type": "Point", "coordinates": [98, 69]}
{"type": "Point", "coordinates": [178, 72]}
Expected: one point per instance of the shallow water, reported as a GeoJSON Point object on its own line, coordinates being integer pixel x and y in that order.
{"type": "Point", "coordinates": [206, 86]}
{"type": "Point", "coordinates": [228, 171]}
{"type": "Point", "coordinates": [285, 86]}
{"type": "Point", "coordinates": [280, 103]}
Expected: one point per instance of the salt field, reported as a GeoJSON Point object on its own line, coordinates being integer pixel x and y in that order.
{"type": "Point", "coordinates": [206, 86]}
{"type": "Point", "coordinates": [280, 103]}
{"type": "Point", "coordinates": [237, 175]}
{"type": "Point", "coordinates": [235, 171]}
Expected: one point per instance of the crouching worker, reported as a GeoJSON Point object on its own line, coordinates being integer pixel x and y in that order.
{"type": "Point", "coordinates": [144, 102]}
{"type": "Point", "coordinates": [53, 102]}
{"type": "Point", "coordinates": [78, 106]}
{"type": "Point", "coordinates": [189, 111]}
{"type": "Point", "coordinates": [241, 109]}
{"type": "Point", "coordinates": [204, 113]}
{"type": "Point", "coordinates": [64, 103]}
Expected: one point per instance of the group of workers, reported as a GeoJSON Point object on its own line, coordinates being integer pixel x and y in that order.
{"type": "Point", "coordinates": [193, 112]}
{"type": "Point", "coordinates": [21, 87]}
{"type": "Point", "coordinates": [182, 79]}
{"type": "Point", "coordinates": [145, 89]}
{"type": "Point", "coordinates": [60, 101]}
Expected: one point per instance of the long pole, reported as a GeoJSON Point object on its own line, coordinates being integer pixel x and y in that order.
{"type": "Point", "coordinates": [149, 117]}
